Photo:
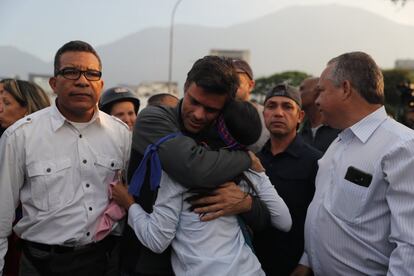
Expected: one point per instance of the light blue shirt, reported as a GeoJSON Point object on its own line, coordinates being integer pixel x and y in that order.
{"type": "Point", "coordinates": [351, 229]}
{"type": "Point", "coordinates": [214, 248]}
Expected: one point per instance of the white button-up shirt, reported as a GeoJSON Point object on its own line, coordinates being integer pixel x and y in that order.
{"type": "Point", "coordinates": [365, 228]}
{"type": "Point", "coordinates": [60, 173]}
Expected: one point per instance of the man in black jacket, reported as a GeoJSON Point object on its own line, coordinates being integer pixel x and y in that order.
{"type": "Point", "coordinates": [210, 84]}
{"type": "Point", "coordinates": [291, 165]}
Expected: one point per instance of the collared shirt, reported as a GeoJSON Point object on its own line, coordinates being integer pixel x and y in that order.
{"type": "Point", "coordinates": [292, 172]}
{"type": "Point", "coordinates": [60, 174]}
{"type": "Point", "coordinates": [360, 221]}
{"type": "Point", "coordinates": [203, 248]}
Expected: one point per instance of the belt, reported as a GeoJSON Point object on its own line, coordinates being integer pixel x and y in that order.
{"type": "Point", "coordinates": [66, 249]}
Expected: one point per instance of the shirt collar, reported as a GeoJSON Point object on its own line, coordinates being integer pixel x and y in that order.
{"type": "Point", "coordinates": [294, 149]}
{"type": "Point", "coordinates": [366, 127]}
{"type": "Point", "coordinates": [58, 120]}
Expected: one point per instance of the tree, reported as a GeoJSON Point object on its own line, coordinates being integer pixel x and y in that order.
{"type": "Point", "coordinates": [263, 85]}
{"type": "Point", "coordinates": [395, 81]}
{"type": "Point", "coordinates": [399, 1]}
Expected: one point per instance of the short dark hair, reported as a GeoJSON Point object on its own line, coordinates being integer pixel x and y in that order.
{"type": "Point", "coordinates": [243, 67]}
{"type": "Point", "coordinates": [243, 122]}
{"type": "Point", "coordinates": [214, 74]}
{"type": "Point", "coordinates": [157, 99]}
{"type": "Point", "coordinates": [74, 46]}
{"type": "Point", "coordinates": [362, 72]}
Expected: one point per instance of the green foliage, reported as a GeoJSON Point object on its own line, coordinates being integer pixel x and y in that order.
{"type": "Point", "coordinates": [402, 2]}
{"type": "Point", "coordinates": [392, 79]}
{"type": "Point", "coordinates": [263, 85]}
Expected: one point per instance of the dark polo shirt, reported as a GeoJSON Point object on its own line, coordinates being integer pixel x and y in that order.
{"type": "Point", "coordinates": [293, 173]}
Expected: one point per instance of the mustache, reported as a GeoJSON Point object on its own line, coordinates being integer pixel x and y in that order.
{"type": "Point", "coordinates": [81, 93]}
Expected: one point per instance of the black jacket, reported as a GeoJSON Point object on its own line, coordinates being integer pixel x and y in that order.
{"type": "Point", "coordinates": [292, 173]}
{"type": "Point", "coordinates": [323, 137]}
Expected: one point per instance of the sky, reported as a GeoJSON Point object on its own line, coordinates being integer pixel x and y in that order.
{"type": "Point", "coordinates": [40, 27]}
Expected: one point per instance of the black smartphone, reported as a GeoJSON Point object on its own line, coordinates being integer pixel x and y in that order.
{"type": "Point", "coordinates": [358, 177]}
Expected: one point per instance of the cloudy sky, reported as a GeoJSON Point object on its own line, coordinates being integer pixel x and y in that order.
{"type": "Point", "coordinates": [40, 27]}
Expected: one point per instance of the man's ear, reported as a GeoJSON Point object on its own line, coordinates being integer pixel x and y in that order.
{"type": "Point", "coordinates": [301, 116]}
{"type": "Point", "coordinates": [52, 83]}
{"type": "Point", "coordinates": [347, 89]}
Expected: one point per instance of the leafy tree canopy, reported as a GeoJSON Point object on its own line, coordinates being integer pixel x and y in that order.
{"type": "Point", "coordinates": [264, 84]}
{"type": "Point", "coordinates": [402, 2]}
{"type": "Point", "coordinates": [394, 86]}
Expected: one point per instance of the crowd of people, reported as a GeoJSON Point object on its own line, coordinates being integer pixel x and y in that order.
{"type": "Point", "coordinates": [316, 181]}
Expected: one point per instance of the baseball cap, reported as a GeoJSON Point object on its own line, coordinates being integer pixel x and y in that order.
{"type": "Point", "coordinates": [285, 90]}
{"type": "Point", "coordinates": [243, 67]}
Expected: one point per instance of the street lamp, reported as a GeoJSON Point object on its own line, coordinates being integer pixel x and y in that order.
{"type": "Point", "coordinates": [171, 46]}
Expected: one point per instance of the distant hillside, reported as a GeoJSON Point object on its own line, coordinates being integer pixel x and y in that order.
{"type": "Point", "coordinates": [297, 38]}
{"type": "Point", "coordinates": [15, 62]}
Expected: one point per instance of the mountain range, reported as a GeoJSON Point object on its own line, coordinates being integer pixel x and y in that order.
{"type": "Point", "coordinates": [300, 38]}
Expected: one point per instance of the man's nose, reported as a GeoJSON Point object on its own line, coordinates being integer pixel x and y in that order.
{"type": "Point", "coordinates": [82, 81]}
{"type": "Point", "coordinates": [317, 101]}
{"type": "Point", "coordinates": [278, 111]}
{"type": "Point", "coordinates": [199, 113]}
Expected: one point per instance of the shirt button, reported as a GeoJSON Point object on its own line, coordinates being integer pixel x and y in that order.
{"type": "Point", "coordinates": [28, 119]}
{"type": "Point", "coordinates": [84, 161]}
{"type": "Point", "coordinates": [87, 185]}
{"type": "Point", "coordinates": [87, 234]}
{"type": "Point", "coordinates": [80, 135]}
{"type": "Point", "coordinates": [90, 208]}
{"type": "Point", "coordinates": [112, 164]}
{"type": "Point", "coordinates": [48, 170]}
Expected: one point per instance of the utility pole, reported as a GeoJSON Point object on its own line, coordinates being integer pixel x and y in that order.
{"type": "Point", "coordinates": [170, 64]}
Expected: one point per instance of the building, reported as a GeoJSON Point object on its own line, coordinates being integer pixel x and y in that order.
{"type": "Point", "coordinates": [146, 89]}
{"type": "Point", "coordinates": [405, 64]}
{"type": "Point", "coordinates": [236, 54]}
{"type": "Point", "coordinates": [43, 82]}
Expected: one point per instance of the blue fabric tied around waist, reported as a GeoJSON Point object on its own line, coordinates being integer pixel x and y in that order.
{"type": "Point", "coordinates": [151, 152]}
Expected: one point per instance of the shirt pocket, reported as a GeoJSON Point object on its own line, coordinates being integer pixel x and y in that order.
{"type": "Point", "coordinates": [348, 201]}
{"type": "Point", "coordinates": [51, 183]}
{"type": "Point", "coordinates": [106, 167]}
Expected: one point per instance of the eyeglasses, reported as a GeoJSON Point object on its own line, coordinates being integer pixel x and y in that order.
{"type": "Point", "coordinates": [74, 74]}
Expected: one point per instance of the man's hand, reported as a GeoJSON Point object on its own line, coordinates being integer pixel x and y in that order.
{"type": "Point", "coordinates": [121, 196]}
{"type": "Point", "coordinates": [256, 164]}
{"type": "Point", "coordinates": [302, 270]}
{"type": "Point", "coordinates": [226, 200]}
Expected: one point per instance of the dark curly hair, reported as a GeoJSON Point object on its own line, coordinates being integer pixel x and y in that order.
{"type": "Point", "coordinates": [215, 75]}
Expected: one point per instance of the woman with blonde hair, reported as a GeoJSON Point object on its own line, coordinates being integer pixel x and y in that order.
{"type": "Point", "coordinates": [19, 98]}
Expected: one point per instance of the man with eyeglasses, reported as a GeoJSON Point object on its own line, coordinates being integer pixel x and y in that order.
{"type": "Point", "coordinates": [59, 163]}
{"type": "Point", "coordinates": [291, 165]}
